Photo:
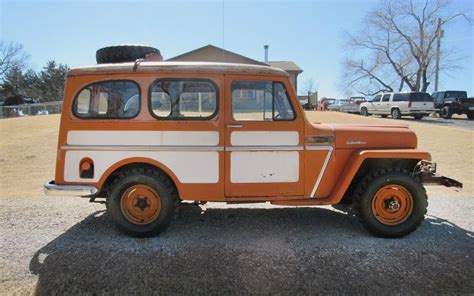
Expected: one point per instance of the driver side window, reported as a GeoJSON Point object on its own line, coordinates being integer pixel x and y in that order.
{"type": "Point", "coordinates": [376, 98]}
{"type": "Point", "coordinates": [260, 101]}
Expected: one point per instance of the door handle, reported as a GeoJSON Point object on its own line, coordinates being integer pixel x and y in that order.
{"type": "Point", "coordinates": [234, 126]}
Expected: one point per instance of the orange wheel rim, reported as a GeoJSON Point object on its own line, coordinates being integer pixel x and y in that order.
{"type": "Point", "coordinates": [140, 204]}
{"type": "Point", "coordinates": [392, 204]}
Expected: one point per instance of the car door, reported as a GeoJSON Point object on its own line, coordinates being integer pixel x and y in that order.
{"type": "Point", "coordinates": [264, 137]}
{"type": "Point", "coordinates": [384, 105]}
{"type": "Point", "coordinates": [373, 105]}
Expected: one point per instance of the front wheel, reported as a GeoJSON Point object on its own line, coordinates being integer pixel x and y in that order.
{"type": "Point", "coordinates": [142, 202]}
{"type": "Point", "coordinates": [446, 112]}
{"type": "Point", "coordinates": [390, 203]}
{"type": "Point", "coordinates": [364, 112]}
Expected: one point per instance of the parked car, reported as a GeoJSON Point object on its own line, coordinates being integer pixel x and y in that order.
{"type": "Point", "coordinates": [344, 106]}
{"type": "Point", "coordinates": [453, 101]}
{"type": "Point", "coordinates": [325, 102]}
{"type": "Point", "coordinates": [358, 100]}
{"type": "Point", "coordinates": [142, 136]}
{"type": "Point", "coordinates": [416, 104]}
{"type": "Point", "coordinates": [304, 102]}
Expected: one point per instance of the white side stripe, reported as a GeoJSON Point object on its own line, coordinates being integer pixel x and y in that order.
{"type": "Point", "coordinates": [144, 138]}
{"type": "Point", "coordinates": [323, 169]}
{"type": "Point", "coordinates": [264, 138]}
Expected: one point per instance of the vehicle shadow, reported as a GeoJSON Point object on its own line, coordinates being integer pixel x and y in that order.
{"type": "Point", "coordinates": [242, 250]}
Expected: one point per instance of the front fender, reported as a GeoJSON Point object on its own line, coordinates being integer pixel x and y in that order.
{"type": "Point", "coordinates": [355, 162]}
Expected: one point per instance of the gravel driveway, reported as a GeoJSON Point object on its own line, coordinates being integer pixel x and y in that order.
{"type": "Point", "coordinates": [53, 245]}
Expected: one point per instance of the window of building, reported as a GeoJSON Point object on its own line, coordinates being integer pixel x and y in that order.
{"type": "Point", "coordinates": [183, 99]}
{"type": "Point", "coordinates": [260, 101]}
{"type": "Point", "coordinates": [108, 99]}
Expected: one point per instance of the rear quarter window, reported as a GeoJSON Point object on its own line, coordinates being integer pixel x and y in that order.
{"type": "Point", "coordinates": [401, 97]}
{"type": "Point", "coordinates": [119, 99]}
{"type": "Point", "coordinates": [420, 97]}
{"type": "Point", "coordinates": [183, 99]}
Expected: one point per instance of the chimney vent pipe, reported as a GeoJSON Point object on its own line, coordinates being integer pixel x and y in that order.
{"type": "Point", "coordinates": [266, 53]}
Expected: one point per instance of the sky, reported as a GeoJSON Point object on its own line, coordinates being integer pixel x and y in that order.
{"type": "Point", "coordinates": [310, 33]}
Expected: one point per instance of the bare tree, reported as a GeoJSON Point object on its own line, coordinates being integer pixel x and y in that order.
{"type": "Point", "coordinates": [308, 87]}
{"type": "Point", "coordinates": [396, 48]}
{"type": "Point", "coordinates": [11, 55]}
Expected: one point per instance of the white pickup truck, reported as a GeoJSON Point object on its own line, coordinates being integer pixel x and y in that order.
{"type": "Point", "coordinates": [416, 104]}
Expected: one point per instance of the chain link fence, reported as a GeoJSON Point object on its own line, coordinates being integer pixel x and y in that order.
{"type": "Point", "coordinates": [31, 109]}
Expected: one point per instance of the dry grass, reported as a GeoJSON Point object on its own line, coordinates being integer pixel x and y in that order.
{"type": "Point", "coordinates": [28, 150]}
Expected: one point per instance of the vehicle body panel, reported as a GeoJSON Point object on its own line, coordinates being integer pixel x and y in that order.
{"type": "Point", "coordinates": [456, 100]}
{"type": "Point", "coordinates": [408, 103]}
{"type": "Point", "coordinates": [221, 159]}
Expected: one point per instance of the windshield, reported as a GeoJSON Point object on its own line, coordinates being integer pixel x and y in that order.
{"type": "Point", "coordinates": [456, 94]}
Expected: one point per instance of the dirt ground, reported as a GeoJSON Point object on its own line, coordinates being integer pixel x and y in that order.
{"type": "Point", "coordinates": [28, 150]}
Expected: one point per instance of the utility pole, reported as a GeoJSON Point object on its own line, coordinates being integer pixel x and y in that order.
{"type": "Point", "coordinates": [439, 35]}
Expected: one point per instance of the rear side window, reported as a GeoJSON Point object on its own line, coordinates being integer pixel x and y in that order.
{"type": "Point", "coordinates": [183, 99]}
{"type": "Point", "coordinates": [401, 97]}
{"type": "Point", "coordinates": [420, 97]}
{"type": "Point", "coordinates": [260, 101]}
{"type": "Point", "coordinates": [108, 100]}
{"type": "Point", "coordinates": [386, 98]}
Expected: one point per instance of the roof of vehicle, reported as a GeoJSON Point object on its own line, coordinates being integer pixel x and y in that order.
{"type": "Point", "coordinates": [188, 67]}
{"type": "Point", "coordinates": [439, 91]}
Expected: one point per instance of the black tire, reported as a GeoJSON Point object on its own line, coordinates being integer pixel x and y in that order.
{"type": "Point", "coordinates": [160, 183]}
{"type": "Point", "coordinates": [470, 115]}
{"type": "Point", "coordinates": [384, 116]}
{"type": "Point", "coordinates": [366, 193]}
{"type": "Point", "coordinates": [418, 117]}
{"type": "Point", "coordinates": [446, 112]}
{"type": "Point", "coordinates": [123, 53]}
{"type": "Point", "coordinates": [364, 112]}
{"type": "Point", "coordinates": [396, 114]}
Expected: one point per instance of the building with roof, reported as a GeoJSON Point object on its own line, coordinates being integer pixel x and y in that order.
{"type": "Point", "coordinates": [211, 53]}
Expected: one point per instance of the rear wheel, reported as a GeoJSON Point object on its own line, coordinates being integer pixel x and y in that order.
{"type": "Point", "coordinates": [446, 112]}
{"type": "Point", "coordinates": [390, 203]}
{"type": "Point", "coordinates": [396, 114]}
{"type": "Point", "coordinates": [364, 112]}
{"type": "Point", "coordinates": [142, 202]}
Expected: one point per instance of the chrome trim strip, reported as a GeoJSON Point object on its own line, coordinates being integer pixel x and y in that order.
{"type": "Point", "coordinates": [264, 148]}
{"type": "Point", "coordinates": [323, 169]}
{"type": "Point", "coordinates": [141, 148]}
{"type": "Point", "coordinates": [319, 148]}
{"type": "Point", "coordinates": [52, 189]}
{"type": "Point", "coordinates": [188, 148]}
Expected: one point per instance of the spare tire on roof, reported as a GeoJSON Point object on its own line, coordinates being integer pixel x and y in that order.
{"type": "Point", "coordinates": [124, 53]}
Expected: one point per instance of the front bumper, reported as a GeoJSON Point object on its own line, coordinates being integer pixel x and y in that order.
{"type": "Point", "coordinates": [52, 189]}
{"type": "Point", "coordinates": [428, 176]}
